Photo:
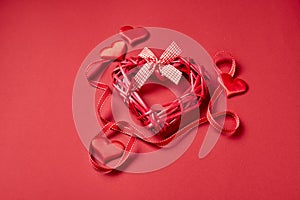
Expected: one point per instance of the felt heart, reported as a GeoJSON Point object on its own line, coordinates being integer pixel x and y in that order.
{"type": "Point", "coordinates": [103, 150]}
{"type": "Point", "coordinates": [232, 86]}
{"type": "Point", "coordinates": [134, 35]}
{"type": "Point", "coordinates": [94, 70]}
{"type": "Point", "coordinates": [115, 52]}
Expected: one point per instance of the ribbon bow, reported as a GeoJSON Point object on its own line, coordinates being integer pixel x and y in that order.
{"type": "Point", "coordinates": [162, 65]}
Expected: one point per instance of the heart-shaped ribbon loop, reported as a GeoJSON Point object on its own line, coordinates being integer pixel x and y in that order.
{"type": "Point", "coordinates": [162, 65]}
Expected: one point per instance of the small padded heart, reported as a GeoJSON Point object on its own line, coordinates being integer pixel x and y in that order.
{"type": "Point", "coordinates": [103, 150]}
{"type": "Point", "coordinates": [233, 86]}
{"type": "Point", "coordinates": [94, 70]}
{"type": "Point", "coordinates": [116, 52]}
{"type": "Point", "coordinates": [134, 35]}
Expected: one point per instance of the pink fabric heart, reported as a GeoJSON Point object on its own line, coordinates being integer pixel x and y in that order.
{"type": "Point", "coordinates": [94, 70]}
{"type": "Point", "coordinates": [116, 52]}
{"type": "Point", "coordinates": [103, 150]}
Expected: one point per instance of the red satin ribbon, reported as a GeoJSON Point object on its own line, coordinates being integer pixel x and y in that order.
{"type": "Point", "coordinates": [134, 134]}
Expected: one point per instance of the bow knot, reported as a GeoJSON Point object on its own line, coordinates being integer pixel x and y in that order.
{"type": "Point", "coordinates": [161, 64]}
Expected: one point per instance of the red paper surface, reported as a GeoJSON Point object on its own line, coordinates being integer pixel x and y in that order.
{"type": "Point", "coordinates": [42, 46]}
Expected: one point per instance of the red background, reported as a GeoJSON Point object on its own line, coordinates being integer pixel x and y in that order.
{"type": "Point", "coordinates": [42, 45]}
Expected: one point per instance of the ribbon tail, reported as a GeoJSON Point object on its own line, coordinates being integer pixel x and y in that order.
{"type": "Point", "coordinates": [142, 76]}
{"type": "Point", "coordinates": [172, 52]}
{"type": "Point", "coordinates": [147, 54]}
{"type": "Point", "coordinates": [171, 73]}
